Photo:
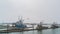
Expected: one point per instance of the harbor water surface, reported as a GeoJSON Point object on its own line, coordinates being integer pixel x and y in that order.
{"type": "Point", "coordinates": [46, 31]}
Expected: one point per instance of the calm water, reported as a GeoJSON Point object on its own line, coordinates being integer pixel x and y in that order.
{"type": "Point", "coordinates": [48, 31]}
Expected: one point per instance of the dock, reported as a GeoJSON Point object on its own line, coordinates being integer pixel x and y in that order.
{"type": "Point", "coordinates": [21, 30]}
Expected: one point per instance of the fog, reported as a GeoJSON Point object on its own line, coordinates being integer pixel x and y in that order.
{"type": "Point", "coordinates": [35, 10]}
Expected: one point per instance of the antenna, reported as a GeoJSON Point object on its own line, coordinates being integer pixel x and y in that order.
{"type": "Point", "coordinates": [21, 17]}
{"type": "Point", "coordinates": [18, 17]}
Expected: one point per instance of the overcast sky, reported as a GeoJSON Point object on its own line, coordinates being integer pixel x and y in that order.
{"type": "Point", "coordinates": [36, 10]}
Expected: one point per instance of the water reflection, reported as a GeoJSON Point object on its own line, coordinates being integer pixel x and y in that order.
{"type": "Point", "coordinates": [39, 32]}
{"type": "Point", "coordinates": [3, 33]}
{"type": "Point", "coordinates": [48, 31]}
{"type": "Point", "coordinates": [13, 33]}
{"type": "Point", "coordinates": [53, 31]}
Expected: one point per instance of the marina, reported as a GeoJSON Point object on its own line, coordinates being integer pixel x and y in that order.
{"type": "Point", "coordinates": [29, 17]}
{"type": "Point", "coordinates": [19, 26]}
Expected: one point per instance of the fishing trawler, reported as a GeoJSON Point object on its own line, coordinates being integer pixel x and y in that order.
{"type": "Point", "coordinates": [16, 27]}
{"type": "Point", "coordinates": [40, 27]}
{"type": "Point", "coordinates": [54, 25]}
